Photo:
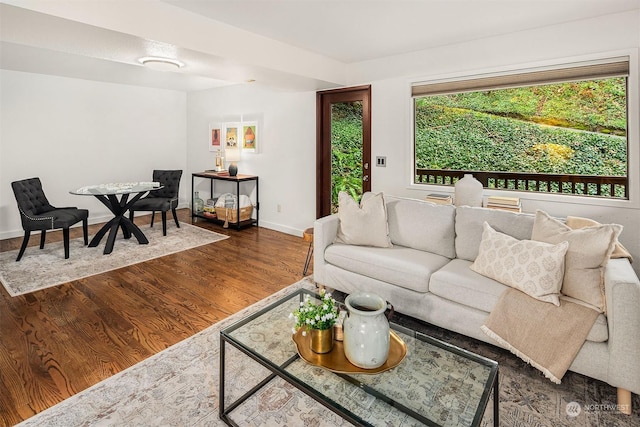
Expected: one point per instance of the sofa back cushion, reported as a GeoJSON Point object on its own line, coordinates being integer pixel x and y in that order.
{"type": "Point", "coordinates": [422, 225]}
{"type": "Point", "coordinates": [469, 221]}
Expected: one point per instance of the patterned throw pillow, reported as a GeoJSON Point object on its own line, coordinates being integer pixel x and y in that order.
{"type": "Point", "coordinates": [535, 268]}
{"type": "Point", "coordinates": [364, 224]}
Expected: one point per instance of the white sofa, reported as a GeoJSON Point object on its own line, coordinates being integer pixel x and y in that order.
{"type": "Point", "coordinates": [426, 275]}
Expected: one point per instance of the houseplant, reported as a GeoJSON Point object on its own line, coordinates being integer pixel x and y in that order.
{"type": "Point", "coordinates": [317, 317]}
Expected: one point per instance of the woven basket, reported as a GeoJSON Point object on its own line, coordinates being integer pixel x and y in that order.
{"type": "Point", "coordinates": [245, 214]}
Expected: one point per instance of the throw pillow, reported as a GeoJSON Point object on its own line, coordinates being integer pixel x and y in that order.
{"type": "Point", "coordinates": [588, 254]}
{"type": "Point", "coordinates": [576, 222]}
{"type": "Point", "coordinates": [364, 224]}
{"type": "Point", "coordinates": [535, 268]}
{"type": "Point", "coordinates": [422, 225]}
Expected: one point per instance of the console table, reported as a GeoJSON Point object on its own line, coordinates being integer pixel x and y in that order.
{"type": "Point", "coordinates": [238, 180]}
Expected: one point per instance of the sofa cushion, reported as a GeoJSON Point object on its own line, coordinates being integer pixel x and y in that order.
{"type": "Point", "coordinates": [600, 331]}
{"type": "Point", "coordinates": [456, 282]}
{"type": "Point", "coordinates": [588, 254]}
{"type": "Point", "coordinates": [365, 223]}
{"type": "Point", "coordinates": [469, 221]}
{"type": "Point", "coordinates": [398, 265]}
{"type": "Point", "coordinates": [535, 268]}
{"type": "Point", "coordinates": [422, 225]}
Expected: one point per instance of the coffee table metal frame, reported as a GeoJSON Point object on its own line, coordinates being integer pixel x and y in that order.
{"type": "Point", "coordinates": [224, 411]}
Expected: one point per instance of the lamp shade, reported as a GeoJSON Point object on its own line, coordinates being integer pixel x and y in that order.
{"type": "Point", "coordinates": [232, 155]}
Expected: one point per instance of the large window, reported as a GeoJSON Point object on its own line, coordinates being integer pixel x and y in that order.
{"type": "Point", "coordinates": [555, 131]}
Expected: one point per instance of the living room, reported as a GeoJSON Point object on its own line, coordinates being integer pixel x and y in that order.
{"type": "Point", "coordinates": [72, 129]}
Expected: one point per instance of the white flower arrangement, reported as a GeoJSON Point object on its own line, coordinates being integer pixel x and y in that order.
{"type": "Point", "coordinates": [312, 315]}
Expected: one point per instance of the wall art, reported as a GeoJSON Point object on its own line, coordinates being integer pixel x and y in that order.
{"type": "Point", "coordinates": [250, 137]}
{"type": "Point", "coordinates": [232, 135]}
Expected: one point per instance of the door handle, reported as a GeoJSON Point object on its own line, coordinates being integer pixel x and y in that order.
{"type": "Point", "coordinates": [365, 178]}
{"type": "Point", "coordinates": [366, 165]}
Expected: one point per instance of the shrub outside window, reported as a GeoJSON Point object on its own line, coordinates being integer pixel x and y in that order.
{"type": "Point", "coordinates": [554, 131]}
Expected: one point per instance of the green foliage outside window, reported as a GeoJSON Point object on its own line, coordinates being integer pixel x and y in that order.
{"type": "Point", "coordinates": [567, 128]}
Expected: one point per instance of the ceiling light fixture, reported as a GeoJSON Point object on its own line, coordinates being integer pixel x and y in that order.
{"type": "Point", "coordinates": [161, 64]}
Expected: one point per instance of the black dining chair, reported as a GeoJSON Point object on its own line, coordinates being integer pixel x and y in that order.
{"type": "Point", "coordinates": [37, 214]}
{"type": "Point", "coordinates": [162, 200]}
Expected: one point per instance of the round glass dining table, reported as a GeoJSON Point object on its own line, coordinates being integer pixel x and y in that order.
{"type": "Point", "coordinates": [115, 196]}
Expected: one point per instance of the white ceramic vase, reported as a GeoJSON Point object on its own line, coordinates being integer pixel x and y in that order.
{"type": "Point", "coordinates": [468, 192]}
{"type": "Point", "coordinates": [366, 331]}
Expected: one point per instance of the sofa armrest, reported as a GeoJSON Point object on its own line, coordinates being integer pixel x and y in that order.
{"type": "Point", "coordinates": [325, 231]}
{"type": "Point", "coordinates": [622, 291]}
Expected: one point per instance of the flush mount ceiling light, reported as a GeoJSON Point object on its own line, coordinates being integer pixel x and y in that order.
{"type": "Point", "coordinates": [161, 64]}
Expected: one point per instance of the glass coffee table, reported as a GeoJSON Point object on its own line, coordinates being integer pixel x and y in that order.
{"type": "Point", "coordinates": [436, 384]}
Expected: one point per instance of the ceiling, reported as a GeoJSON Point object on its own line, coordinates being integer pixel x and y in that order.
{"type": "Point", "coordinates": [286, 44]}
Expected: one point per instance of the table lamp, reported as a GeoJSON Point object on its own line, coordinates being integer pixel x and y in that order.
{"type": "Point", "coordinates": [233, 156]}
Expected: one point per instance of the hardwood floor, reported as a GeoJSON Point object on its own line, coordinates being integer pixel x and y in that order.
{"type": "Point", "coordinates": [59, 341]}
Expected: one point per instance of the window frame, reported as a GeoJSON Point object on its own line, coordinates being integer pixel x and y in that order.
{"type": "Point", "coordinates": [633, 127]}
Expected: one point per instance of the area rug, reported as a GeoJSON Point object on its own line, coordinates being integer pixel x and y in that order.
{"type": "Point", "coordinates": [179, 387]}
{"type": "Point", "coordinates": [43, 268]}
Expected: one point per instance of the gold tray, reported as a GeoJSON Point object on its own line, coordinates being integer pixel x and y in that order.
{"type": "Point", "coordinates": [336, 361]}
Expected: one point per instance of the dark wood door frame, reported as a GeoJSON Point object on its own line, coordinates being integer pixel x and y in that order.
{"type": "Point", "coordinates": [324, 99]}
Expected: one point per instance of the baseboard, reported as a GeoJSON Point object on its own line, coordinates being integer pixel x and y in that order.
{"type": "Point", "coordinates": [20, 232]}
{"type": "Point", "coordinates": [102, 219]}
{"type": "Point", "coordinates": [281, 228]}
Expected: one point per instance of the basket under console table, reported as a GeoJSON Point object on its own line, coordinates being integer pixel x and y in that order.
{"type": "Point", "coordinates": [238, 180]}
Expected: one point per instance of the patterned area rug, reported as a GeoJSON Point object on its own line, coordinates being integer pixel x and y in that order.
{"type": "Point", "coordinates": [179, 386]}
{"type": "Point", "coordinates": [44, 268]}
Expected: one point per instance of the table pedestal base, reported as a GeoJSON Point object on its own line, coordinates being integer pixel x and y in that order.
{"type": "Point", "coordinates": [119, 221]}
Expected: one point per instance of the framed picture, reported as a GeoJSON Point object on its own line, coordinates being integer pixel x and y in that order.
{"type": "Point", "coordinates": [215, 137]}
{"type": "Point", "coordinates": [250, 137]}
{"type": "Point", "coordinates": [232, 135]}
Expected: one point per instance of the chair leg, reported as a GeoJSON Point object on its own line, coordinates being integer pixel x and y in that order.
{"type": "Point", "coordinates": [85, 231]}
{"type": "Point", "coordinates": [65, 234]}
{"type": "Point", "coordinates": [25, 241]}
{"type": "Point", "coordinates": [175, 217]}
{"type": "Point", "coordinates": [164, 223]}
{"type": "Point", "coordinates": [43, 238]}
{"type": "Point", "coordinates": [308, 259]}
{"type": "Point", "coordinates": [153, 216]}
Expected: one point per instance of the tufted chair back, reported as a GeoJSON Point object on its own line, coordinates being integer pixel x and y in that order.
{"type": "Point", "coordinates": [170, 180]}
{"type": "Point", "coordinates": [31, 199]}
{"type": "Point", "coordinates": [163, 200]}
{"type": "Point", "coordinates": [37, 214]}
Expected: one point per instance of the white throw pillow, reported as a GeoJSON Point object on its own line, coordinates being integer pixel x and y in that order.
{"type": "Point", "coordinates": [364, 224]}
{"type": "Point", "coordinates": [588, 254]}
{"type": "Point", "coordinates": [534, 268]}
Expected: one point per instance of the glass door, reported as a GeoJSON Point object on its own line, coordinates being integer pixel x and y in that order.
{"type": "Point", "coordinates": [343, 147]}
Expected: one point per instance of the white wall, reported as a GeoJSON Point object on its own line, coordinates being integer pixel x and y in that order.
{"type": "Point", "coordinates": [47, 119]}
{"type": "Point", "coordinates": [391, 78]}
{"type": "Point", "coordinates": [289, 120]}
{"type": "Point", "coordinates": [72, 132]}
{"type": "Point", "coordinates": [285, 162]}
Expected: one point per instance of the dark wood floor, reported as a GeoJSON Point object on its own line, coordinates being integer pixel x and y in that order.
{"type": "Point", "coordinates": [59, 341]}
